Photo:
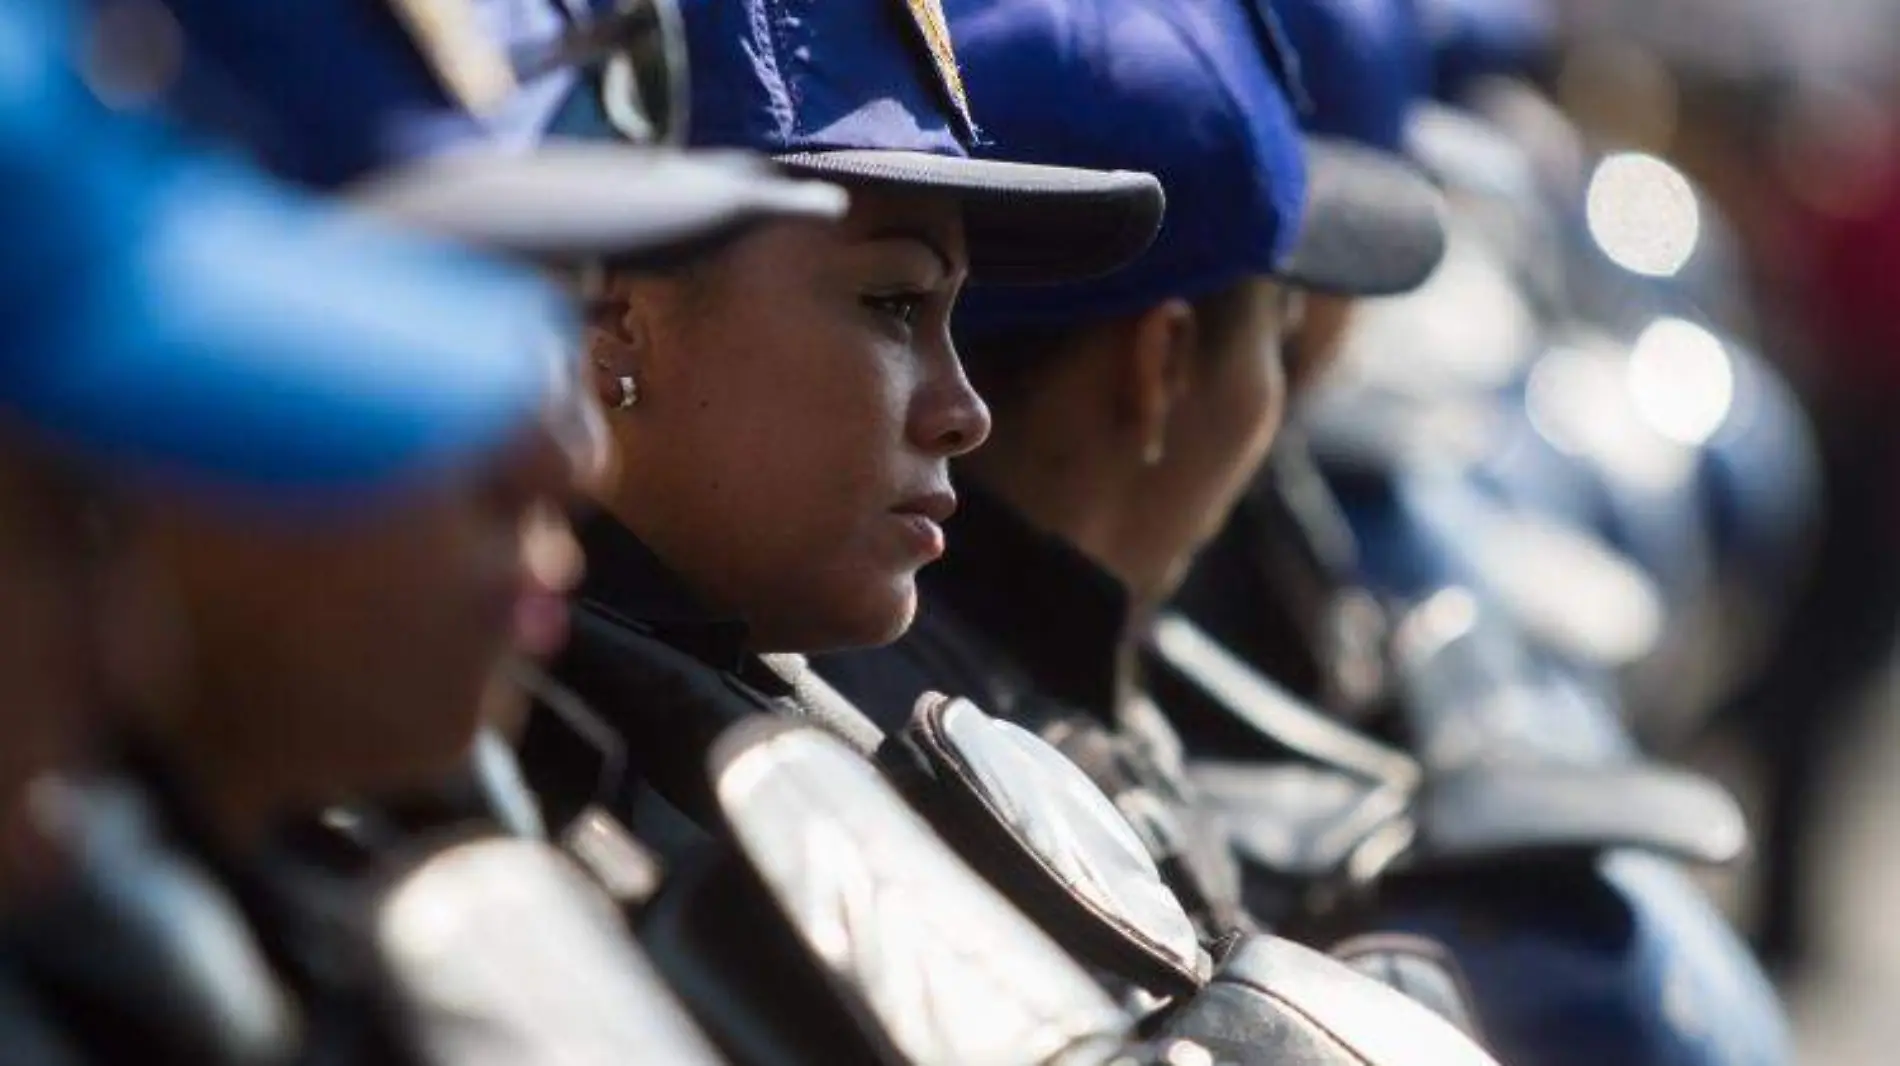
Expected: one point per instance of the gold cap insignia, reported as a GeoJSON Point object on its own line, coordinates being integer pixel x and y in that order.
{"type": "Point", "coordinates": [935, 29]}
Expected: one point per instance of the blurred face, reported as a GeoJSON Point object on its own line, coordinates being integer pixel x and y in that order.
{"type": "Point", "coordinates": [359, 652]}
{"type": "Point", "coordinates": [799, 403]}
{"type": "Point", "coordinates": [1217, 433]}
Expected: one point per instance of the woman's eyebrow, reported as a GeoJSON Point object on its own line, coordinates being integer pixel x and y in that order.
{"type": "Point", "coordinates": [919, 236]}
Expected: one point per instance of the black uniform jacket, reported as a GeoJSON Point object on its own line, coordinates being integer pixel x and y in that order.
{"type": "Point", "coordinates": [1030, 629]}
{"type": "Point", "coordinates": [661, 677]}
{"type": "Point", "coordinates": [164, 947]}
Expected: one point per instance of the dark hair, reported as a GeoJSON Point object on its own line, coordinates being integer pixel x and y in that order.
{"type": "Point", "coordinates": [1005, 365]}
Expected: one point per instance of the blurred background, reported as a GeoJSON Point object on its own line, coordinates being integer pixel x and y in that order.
{"type": "Point", "coordinates": [1785, 120]}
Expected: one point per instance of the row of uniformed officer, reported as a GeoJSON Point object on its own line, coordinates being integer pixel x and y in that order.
{"type": "Point", "coordinates": [301, 482]}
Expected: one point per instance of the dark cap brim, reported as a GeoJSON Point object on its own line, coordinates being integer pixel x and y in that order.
{"type": "Point", "coordinates": [1374, 224]}
{"type": "Point", "coordinates": [583, 200]}
{"type": "Point", "coordinates": [1026, 224]}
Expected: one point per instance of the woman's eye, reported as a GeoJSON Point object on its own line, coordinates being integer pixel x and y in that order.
{"type": "Point", "coordinates": [904, 307]}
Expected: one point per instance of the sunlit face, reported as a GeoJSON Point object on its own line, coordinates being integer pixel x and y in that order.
{"type": "Point", "coordinates": [800, 401]}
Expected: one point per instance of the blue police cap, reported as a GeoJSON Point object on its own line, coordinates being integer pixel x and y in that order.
{"type": "Point", "coordinates": [1362, 63]}
{"type": "Point", "coordinates": [1195, 92]}
{"type": "Point", "coordinates": [1470, 39]}
{"type": "Point", "coordinates": [871, 92]}
{"type": "Point", "coordinates": [421, 110]}
{"type": "Point", "coordinates": [182, 313]}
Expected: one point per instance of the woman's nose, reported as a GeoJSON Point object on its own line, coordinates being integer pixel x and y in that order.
{"type": "Point", "coordinates": [951, 419]}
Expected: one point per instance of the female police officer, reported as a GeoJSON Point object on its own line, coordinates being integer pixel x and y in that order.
{"type": "Point", "coordinates": [787, 407]}
{"type": "Point", "coordinates": [1131, 411]}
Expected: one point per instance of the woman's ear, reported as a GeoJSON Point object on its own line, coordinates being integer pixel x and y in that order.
{"type": "Point", "coordinates": [617, 339]}
{"type": "Point", "coordinates": [1159, 371]}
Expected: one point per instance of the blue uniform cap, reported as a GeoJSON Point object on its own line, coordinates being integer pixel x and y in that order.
{"type": "Point", "coordinates": [1470, 39]}
{"type": "Point", "coordinates": [187, 317]}
{"type": "Point", "coordinates": [860, 92]}
{"type": "Point", "coordinates": [1363, 63]}
{"type": "Point", "coordinates": [1195, 91]}
{"type": "Point", "coordinates": [871, 92]}
{"type": "Point", "coordinates": [422, 110]}
{"type": "Point", "coordinates": [318, 92]}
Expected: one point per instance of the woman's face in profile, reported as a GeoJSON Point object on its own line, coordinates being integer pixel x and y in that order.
{"type": "Point", "coordinates": [800, 401]}
{"type": "Point", "coordinates": [356, 650]}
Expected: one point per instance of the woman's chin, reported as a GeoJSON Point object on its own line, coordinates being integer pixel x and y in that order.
{"type": "Point", "coordinates": [889, 616]}
{"type": "Point", "coordinates": [869, 620]}
{"type": "Point", "coordinates": [892, 625]}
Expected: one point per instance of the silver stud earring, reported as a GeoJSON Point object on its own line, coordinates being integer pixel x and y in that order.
{"type": "Point", "coordinates": [629, 388]}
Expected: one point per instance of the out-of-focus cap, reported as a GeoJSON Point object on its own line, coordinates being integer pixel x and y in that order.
{"type": "Point", "coordinates": [184, 317]}
{"type": "Point", "coordinates": [438, 114]}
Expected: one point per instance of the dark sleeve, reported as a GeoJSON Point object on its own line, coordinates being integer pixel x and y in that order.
{"type": "Point", "coordinates": [26, 1036]}
{"type": "Point", "coordinates": [884, 683]}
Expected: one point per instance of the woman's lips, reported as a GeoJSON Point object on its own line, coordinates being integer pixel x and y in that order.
{"type": "Point", "coordinates": [922, 517]}
{"type": "Point", "coordinates": [924, 536]}
{"type": "Point", "coordinates": [937, 505]}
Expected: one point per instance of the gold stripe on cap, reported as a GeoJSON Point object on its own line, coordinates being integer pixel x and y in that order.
{"type": "Point", "coordinates": [935, 28]}
{"type": "Point", "coordinates": [469, 63]}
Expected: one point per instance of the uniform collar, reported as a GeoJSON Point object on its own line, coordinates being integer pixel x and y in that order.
{"type": "Point", "coordinates": [1057, 613]}
{"type": "Point", "coordinates": [627, 580]}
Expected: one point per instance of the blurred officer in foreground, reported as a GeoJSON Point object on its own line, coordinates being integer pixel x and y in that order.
{"type": "Point", "coordinates": [174, 291]}
{"type": "Point", "coordinates": [1131, 411]}
{"type": "Point", "coordinates": [339, 605]}
{"type": "Point", "coordinates": [201, 343]}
